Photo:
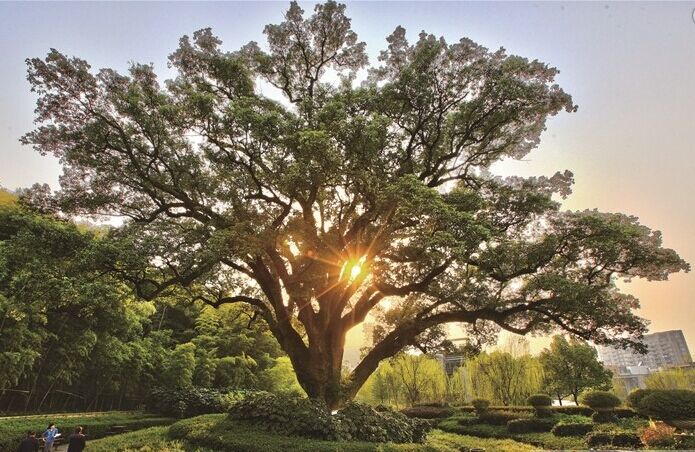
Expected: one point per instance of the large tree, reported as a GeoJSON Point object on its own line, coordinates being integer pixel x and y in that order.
{"type": "Point", "coordinates": [342, 197]}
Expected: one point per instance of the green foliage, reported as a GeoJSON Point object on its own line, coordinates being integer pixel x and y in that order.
{"type": "Point", "coordinates": [191, 401]}
{"type": "Point", "coordinates": [600, 400]}
{"type": "Point", "coordinates": [286, 414]}
{"type": "Point", "coordinates": [480, 405]}
{"type": "Point", "coordinates": [604, 416]}
{"type": "Point", "coordinates": [598, 439]}
{"type": "Point", "coordinates": [539, 400]}
{"type": "Point", "coordinates": [626, 440]}
{"type": "Point", "coordinates": [13, 429]}
{"type": "Point", "coordinates": [531, 425]}
{"type": "Point", "coordinates": [671, 379]}
{"type": "Point", "coordinates": [363, 423]}
{"type": "Point", "coordinates": [504, 378]}
{"type": "Point", "coordinates": [572, 429]}
{"type": "Point", "coordinates": [634, 398]}
{"type": "Point", "coordinates": [671, 404]}
{"type": "Point", "coordinates": [572, 367]}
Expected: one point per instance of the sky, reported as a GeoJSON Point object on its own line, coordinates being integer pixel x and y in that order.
{"type": "Point", "coordinates": [629, 66]}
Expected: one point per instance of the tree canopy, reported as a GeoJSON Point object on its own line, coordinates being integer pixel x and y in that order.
{"type": "Point", "coordinates": [571, 367]}
{"type": "Point", "coordinates": [345, 198]}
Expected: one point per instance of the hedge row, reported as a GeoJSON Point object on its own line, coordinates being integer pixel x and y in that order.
{"type": "Point", "coordinates": [569, 409]}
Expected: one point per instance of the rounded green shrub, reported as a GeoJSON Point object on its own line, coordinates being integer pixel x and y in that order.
{"type": "Point", "coordinates": [573, 429]}
{"type": "Point", "coordinates": [600, 400]}
{"type": "Point", "coordinates": [604, 417]}
{"type": "Point", "coordinates": [480, 405]}
{"type": "Point", "coordinates": [669, 404]}
{"type": "Point", "coordinates": [634, 398]}
{"type": "Point", "coordinates": [286, 414]}
{"type": "Point", "coordinates": [540, 400]}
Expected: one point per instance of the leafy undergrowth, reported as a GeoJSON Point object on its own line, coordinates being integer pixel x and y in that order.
{"type": "Point", "coordinates": [217, 432]}
{"type": "Point", "coordinates": [13, 429]}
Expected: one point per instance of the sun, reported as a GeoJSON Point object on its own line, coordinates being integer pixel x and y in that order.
{"type": "Point", "coordinates": [353, 268]}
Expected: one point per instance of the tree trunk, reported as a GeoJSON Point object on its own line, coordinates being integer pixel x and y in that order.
{"type": "Point", "coordinates": [559, 399]}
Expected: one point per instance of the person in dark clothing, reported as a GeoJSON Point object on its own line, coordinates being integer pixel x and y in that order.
{"type": "Point", "coordinates": [77, 441]}
{"type": "Point", "coordinates": [30, 443]}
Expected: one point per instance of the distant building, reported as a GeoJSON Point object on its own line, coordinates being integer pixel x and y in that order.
{"type": "Point", "coordinates": [631, 377]}
{"type": "Point", "coordinates": [666, 349]}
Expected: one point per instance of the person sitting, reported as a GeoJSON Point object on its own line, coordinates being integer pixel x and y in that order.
{"type": "Point", "coordinates": [30, 443]}
{"type": "Point", "coordinates": [49, 436]}
{"type": "Point", "coordinates": [77, 441]}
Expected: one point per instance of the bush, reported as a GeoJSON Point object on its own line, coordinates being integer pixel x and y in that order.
{"type": "Point", "coordinates": [187, 402]}
{"type": "Point", "coordinates": [626, 440]}
{"type": "Point", "coordinates": [480, 405]}
{"type": "Point", "coordinates": [598, 439]}
{"type": "Point", "coordinates": [428, 412]}
{"type": "Point", "coordinates": [625, 413]}
{"type": "Point", "coordinates": [669, 404]}
{"type": "Point", "coordinates": [685, 442]}
{"type": "Point", "coordinates": [532, 425]}
{"type": "Point", "coordinates": [574, 429]}
{"type": "Point", "coordinates": [500, 417]}
{"type": "Point", "coordinates": [634, 398]}
{"type": "Point", "coordinates": [540, 400]}
{"type": "Point", "coordinates": [600, 400]}
{"type": "Point", "coordinates": [658, 434]}
{"type": "Point", "coordinates": [363, 423]}
{"type": "Point", "coordinates": [604, 417]}
{"type": "Point", "coordinates": [286, 414]}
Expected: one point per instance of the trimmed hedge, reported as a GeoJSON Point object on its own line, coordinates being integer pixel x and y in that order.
{"type": "Point", "coordinates": [540, 400]}
{"type": "Point", "coordinates": [670, 404]}
{"type": "Point", "coordinates": [574, 429]}
{"type": "Point", "coordinates": [573, 409]}
{"type": "Point", "coordinates": [627, 440]}
{"type": "Point", "coordinates": [428, 412]}
{"type": "Point", "coordinates": [598, 439]}
{"type": "Point", "coordinates": [600, 400]}
{"type": "Point", "coordinates": [532, 425]}
{"type": "Point", "coordinates": [480, 405]}
{"type": "Point", "coordinates": [604, 417]}
{"type": "Point", "coordinates": [500, 417]}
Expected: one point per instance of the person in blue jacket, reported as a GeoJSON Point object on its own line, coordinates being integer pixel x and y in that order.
{"type": "Point", "coordinates": [49, 436]}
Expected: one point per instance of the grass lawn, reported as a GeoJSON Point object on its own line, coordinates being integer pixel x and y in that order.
{"type": "Point", "coordinates": [13, 429]}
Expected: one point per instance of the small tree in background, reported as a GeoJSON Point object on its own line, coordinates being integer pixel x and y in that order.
{"type": "Point", "coordinates": [571, 367]}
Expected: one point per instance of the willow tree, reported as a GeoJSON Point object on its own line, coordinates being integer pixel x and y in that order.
{"type": "Point", "coordinates": [343, 197]}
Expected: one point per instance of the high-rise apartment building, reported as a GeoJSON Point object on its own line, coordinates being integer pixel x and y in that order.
{"type": "Point", "coordinates": [666, 349]}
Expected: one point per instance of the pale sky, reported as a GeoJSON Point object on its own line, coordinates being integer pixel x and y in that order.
{"type": "Point", "coordinates": [629, 66]}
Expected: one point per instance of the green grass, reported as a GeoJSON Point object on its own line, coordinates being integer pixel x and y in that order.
{"type": "Point", "coordinates": [145, 440]}
{"type": "Point", "coordinates": [216, 432]}
{"type": "Point", "coordinates": [13, 429]}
